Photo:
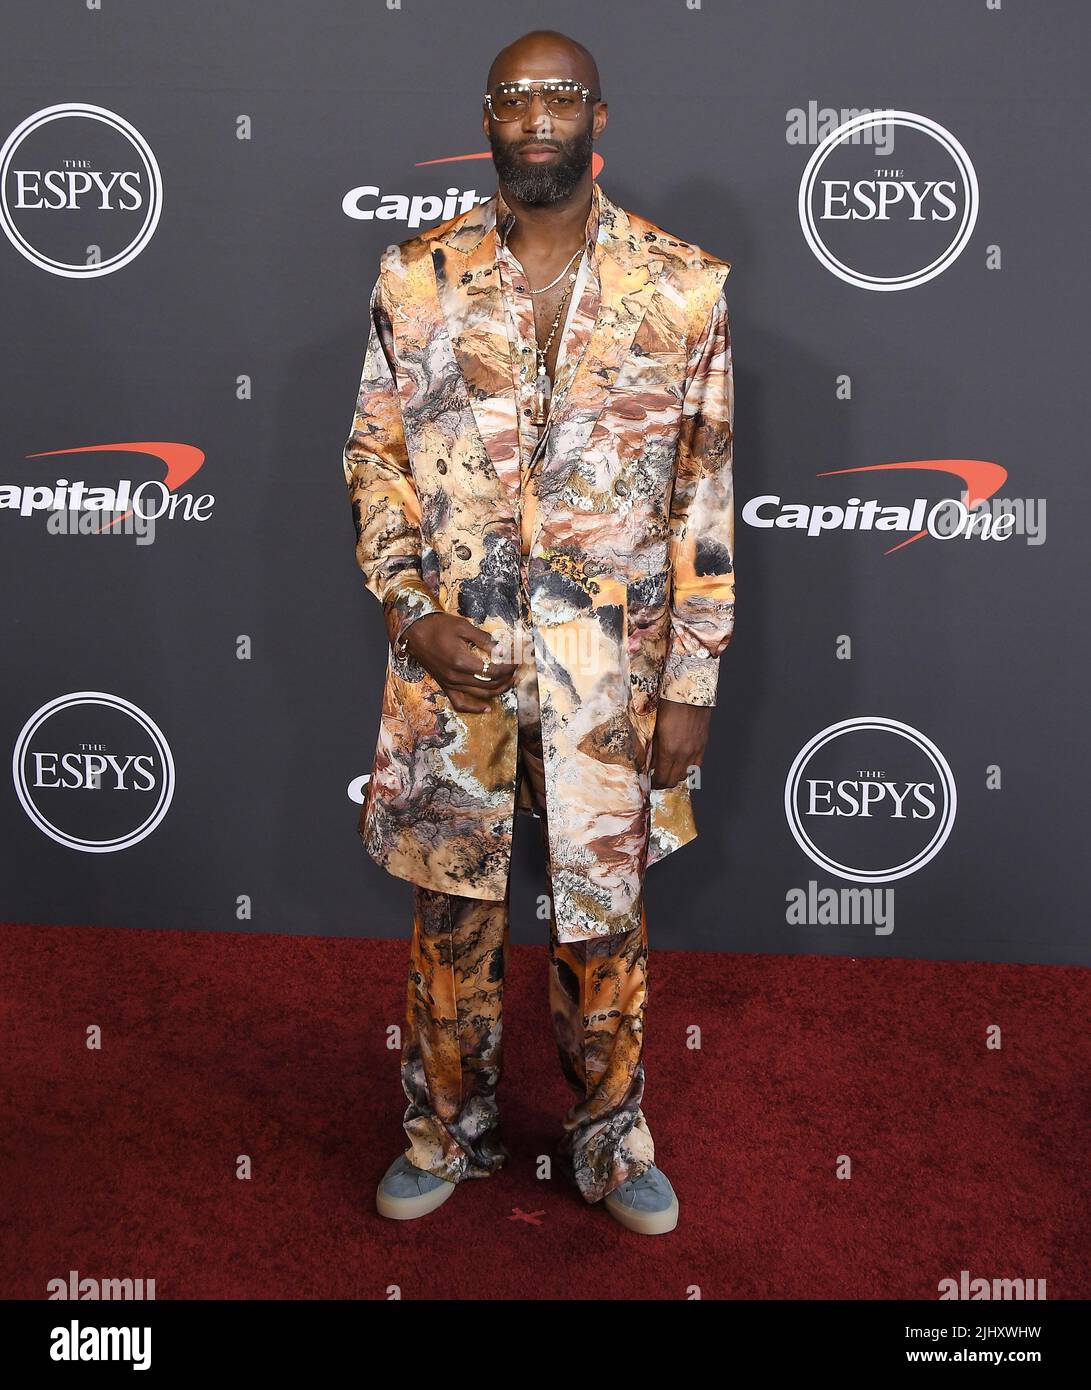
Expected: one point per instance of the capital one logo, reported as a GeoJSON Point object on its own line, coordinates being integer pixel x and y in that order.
{"type": "Point", "coordinates": [367, 202]}
{"type": "Point", "coordinates": [870, 799]}
{"type": "Point", "coordinates": [80, 190]}
{"type": "Point", "coordinates": [894, 221]}
{"type": "Point", "coordinates": [93, 772]}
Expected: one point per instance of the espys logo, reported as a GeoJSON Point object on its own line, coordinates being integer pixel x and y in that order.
{"type": "Point", "coordinates": [75, 176]}
{"type": "Point", "coordinates": [368, 202]}
{"type": "Point", "coordinates": [93, 772]}
{"type": "Point", "coordinates": [888, 226]}
{"type": "Point", "coordinates": [870, 799]}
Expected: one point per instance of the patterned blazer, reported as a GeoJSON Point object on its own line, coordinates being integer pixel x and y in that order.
{"type": "Point", "coordinates": [626, 515]}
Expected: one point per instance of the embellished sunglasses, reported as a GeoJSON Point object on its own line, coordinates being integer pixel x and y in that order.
{"type": "Point", "coordinates": [564, 99]}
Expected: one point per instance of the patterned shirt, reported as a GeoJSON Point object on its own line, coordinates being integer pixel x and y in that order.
{"type": "Point", "coordinates": [583, 307]}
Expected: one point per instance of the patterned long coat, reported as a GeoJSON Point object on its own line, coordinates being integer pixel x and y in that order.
{"type": "Point", "coordinates": [626, 517]}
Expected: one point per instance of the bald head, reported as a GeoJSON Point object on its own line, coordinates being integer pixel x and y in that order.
{"type": "Point", "coordinates": [545, 53]}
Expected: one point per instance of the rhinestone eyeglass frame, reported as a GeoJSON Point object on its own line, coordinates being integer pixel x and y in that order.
{"type": "Point", "coordinates": [552, 85]}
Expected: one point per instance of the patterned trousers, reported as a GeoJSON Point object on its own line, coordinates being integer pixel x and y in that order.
{"type": "Point", "coordinates": [452, 1047]}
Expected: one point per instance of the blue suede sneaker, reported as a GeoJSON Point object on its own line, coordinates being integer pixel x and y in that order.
{"type": "Point", "coordinates": [406, 1192]}
{"type": "Point", "coordinates": [645, 1204]}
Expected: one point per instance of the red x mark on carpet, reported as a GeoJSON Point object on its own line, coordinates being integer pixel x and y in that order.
{"type": "Point", "coordinates": [530, 1217]}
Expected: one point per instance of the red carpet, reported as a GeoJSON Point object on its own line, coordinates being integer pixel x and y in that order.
{"type": "Point", "coordinates": [122, 1162]}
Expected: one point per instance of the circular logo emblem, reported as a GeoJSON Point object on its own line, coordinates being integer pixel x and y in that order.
{"type": "Point", "coordinates": [93, 772]}
{"type": "Point", "coordinates": [888, 213]}
{"type": "Point", "coordinates": [870, 799]}
{"type": "Point", "coordinates": [75, 176]}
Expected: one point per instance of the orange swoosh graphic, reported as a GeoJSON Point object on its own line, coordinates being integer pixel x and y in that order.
{"type": "Point", "coordinates": [597, 160]}
{"type": "Point", "coordinates": [182, 460]}
{"type": "Point", "coordinates": [981, 477]}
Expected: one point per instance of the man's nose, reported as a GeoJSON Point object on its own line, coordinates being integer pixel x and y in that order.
{"type": "Point", "coordinates": [537, 121]}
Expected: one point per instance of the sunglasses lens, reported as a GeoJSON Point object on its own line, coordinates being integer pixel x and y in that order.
{"type": "Point", "coordinates": [511, 105]}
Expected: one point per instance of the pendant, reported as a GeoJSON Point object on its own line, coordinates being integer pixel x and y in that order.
{"type": "Point", "coordinates": [542, 391]}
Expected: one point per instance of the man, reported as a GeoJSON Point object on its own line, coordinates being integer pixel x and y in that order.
{"type": "Point", "coordinates": [540, 469]}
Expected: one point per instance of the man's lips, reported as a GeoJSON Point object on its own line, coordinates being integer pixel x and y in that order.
{"type": "Point", "coordinates": [538, 152]}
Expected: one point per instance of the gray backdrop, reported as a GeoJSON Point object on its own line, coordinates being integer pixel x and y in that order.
{"type": "Point", "coordinates": [243, 640]}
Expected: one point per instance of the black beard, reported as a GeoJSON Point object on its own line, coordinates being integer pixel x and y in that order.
{"type": "Point", "coordinates": [540, 184]}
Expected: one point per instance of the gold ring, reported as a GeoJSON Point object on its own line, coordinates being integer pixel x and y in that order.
{"type": "Point", "coordinates": [483, 675]}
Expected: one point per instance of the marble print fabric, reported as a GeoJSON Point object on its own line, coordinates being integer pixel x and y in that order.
{"type": "Point", "coordinates": [615, 540]}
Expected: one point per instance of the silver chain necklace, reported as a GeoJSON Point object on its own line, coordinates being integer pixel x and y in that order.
{"type": "Point", "coordinates": [557, 281]}
{"type": "Point", "coordinates": [543, 389]}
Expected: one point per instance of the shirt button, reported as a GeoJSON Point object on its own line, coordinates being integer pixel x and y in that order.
{"type": "Point", "coordinates": [526, 412]}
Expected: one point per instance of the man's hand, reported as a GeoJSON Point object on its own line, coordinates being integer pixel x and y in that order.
{"type": "Point", "coordinates": [681, 732]}
{"type": "Point", "coordinates": [451, 649]}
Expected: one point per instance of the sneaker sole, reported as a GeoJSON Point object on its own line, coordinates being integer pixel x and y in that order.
{"type": "Point", "coordinates": [409, 1208]}
{"type": "Point", "coordinates": [645, 1223]}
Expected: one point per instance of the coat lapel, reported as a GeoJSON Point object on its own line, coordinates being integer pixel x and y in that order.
{"type": "Point", "coordinates": [468, 285]}
{"type": "Point", "coordinates": [629, 277]}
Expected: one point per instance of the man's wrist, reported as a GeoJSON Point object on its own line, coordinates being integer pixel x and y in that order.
{"type": "Point", "coordinates": [689, 679]}
{"type": "Point", "coordinates": [706, 710]}
{"type": "Point", "coordinates": [401, 645]}
{"type": "Point", "coordinates": [405, 605]}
